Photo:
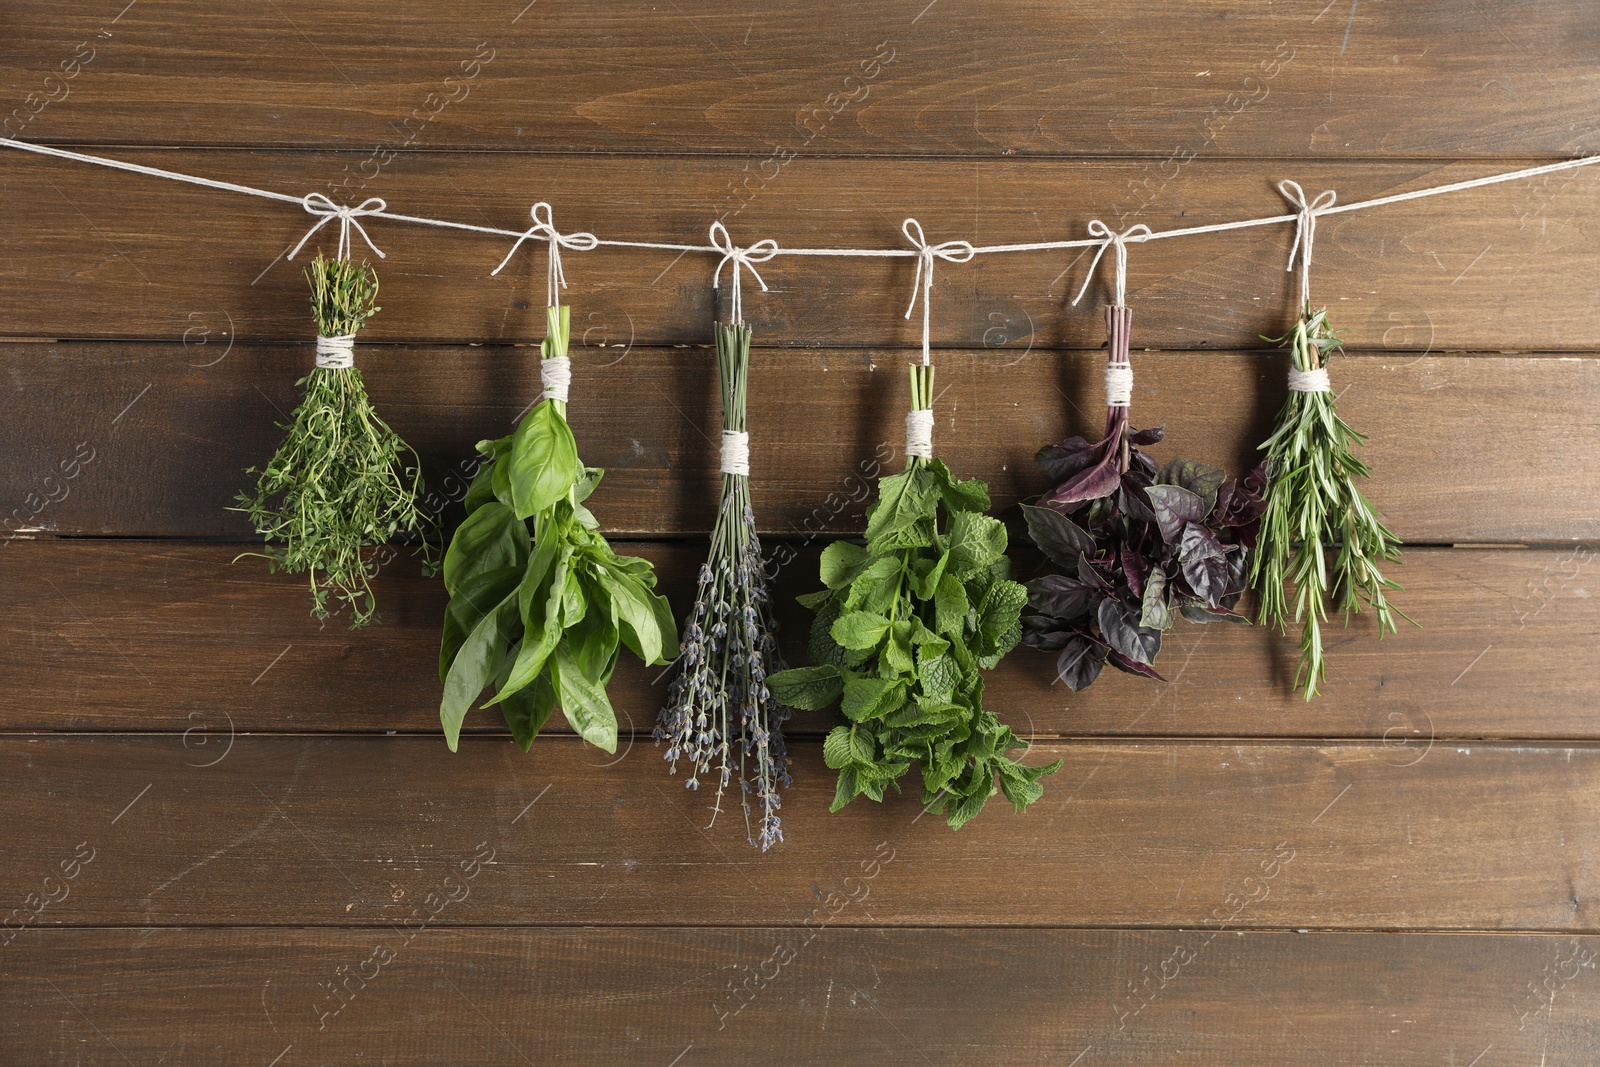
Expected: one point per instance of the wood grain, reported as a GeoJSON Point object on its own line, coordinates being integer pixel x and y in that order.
{"type": "Point", "coordinates": [1463, 449]}
{"type": "Point", "coordinates": [99, 253]}
{"type": "Point", "coordinates": [897, 996]}
{"type": "Point", "coordinates": [1019, 76]}
{"type": "Point", "coordinates": [1483, 836]}
{"type": "Point", "coordinates": [117, 635]}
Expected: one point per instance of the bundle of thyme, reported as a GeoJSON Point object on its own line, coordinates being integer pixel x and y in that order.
{"type": "Point", "coordinates": [1314, 507]}
{"type": "Point", "coordinates": [340, 483]}
{"type": "Point", "coordinates": [902, 633]}
{"type": "Point", "coordinates": [719, 708]}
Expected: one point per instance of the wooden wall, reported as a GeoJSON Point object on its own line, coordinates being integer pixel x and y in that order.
{"type": "Point", "coordinates": [261, 850]}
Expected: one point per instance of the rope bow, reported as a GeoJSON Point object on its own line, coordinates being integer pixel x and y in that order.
{"type": "Point", "coordinates": [1109, 238]}
{"type": "Point", "coordinates": [1305, 229]}
{"type": "Point", "coordinates": [760, 252]}
{"type": "Point", "coordinates": [317, 204]}
{"type": "Point", "coordinates": [544, 228]}
{"type": "Point", "coordinates": [922, 286]}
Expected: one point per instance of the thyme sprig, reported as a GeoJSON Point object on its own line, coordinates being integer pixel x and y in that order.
{"type": "Point", "coordinates": [341, 482]}
{"type": "Point", "coordinates": [721, 718]}
{"type": "Point", "coordinates": [1316, 508]}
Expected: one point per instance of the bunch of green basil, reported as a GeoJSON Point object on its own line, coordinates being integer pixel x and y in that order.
{"type": "Point", "coordinates": [539, 602]}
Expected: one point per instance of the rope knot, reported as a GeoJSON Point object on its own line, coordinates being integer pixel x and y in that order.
{"type": "Point", "coordinates": [348, 216]}
{"type": "Point", "coordinates": [1110, 238]}
{"type": "Point", "coordinates": [745, 258]}
{"type": "Point", "coordinates": [922, 286]}
{"type": "Point", "coordinates": [544, 228]}
{"type": "Point", "coordinates": [1305, 229]}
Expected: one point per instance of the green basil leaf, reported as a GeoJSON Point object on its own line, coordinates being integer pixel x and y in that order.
{"type": "Point", "coordinates": [492, 537]}
{"type": "Point", "coordinates": [583, 701]}
{"type": "Point", "coordinates": [544, 464]}
{"type": "Point", "coordinates": [475, 666]}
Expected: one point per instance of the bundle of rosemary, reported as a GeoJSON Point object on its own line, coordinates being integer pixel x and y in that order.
{"type": "Point", "coordinates": [1314, 506]}
{"type": "Point", "coordinates": [720, 709]}
{"type": "Point", "coordinates": [341, 482]}
{"type": "Point", "coordinates": [539, 603]}
{"type": "Point", "coordinates": [902, 632]}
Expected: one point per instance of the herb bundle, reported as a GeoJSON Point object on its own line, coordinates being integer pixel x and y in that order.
{"type": "Point", "coordinates": [720, 708]}
{"type": "Point", "coordinates": [1315, 505]}
{"type": "Point", "coordinates": [539, 602]}
{"type": "Point", "coordinates": [340, 483]}
{"type": "Point", "coordinates": [1136, 545]}
{"type": "Point", "coordinates": [901, 634]}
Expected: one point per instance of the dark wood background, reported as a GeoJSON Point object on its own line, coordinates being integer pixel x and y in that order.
{"type": "Point", "coordinates": [255, 809]}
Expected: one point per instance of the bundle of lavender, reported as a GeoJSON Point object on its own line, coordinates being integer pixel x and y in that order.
{"type": "Point", "coordinates": [721, 719]}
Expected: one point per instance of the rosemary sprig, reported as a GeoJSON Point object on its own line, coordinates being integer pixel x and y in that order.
{"type": "Point", "coordinates": [720, 702]}
{"type": "Point", "coordinates": [1315, 507]}
{"type": "Point", "coordinates": [340, 482]}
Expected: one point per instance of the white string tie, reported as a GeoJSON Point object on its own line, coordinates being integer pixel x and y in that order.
{"type": "Point", "coordinates": [1119, 385]}
{"type": "Point", "coordinates": [317, 204]}
{"type": "Point", "coordinates": [735, 452]}
{"type": "Point", "coordinates": [544, 228]}
{"type": "Point", "coordinates": [922, 286]}
{"type": "Point", "coordinates": [336, 353]}
{"type": "Point", "coordinates": [919, 433]}
{"type": "Point", "coordinates": [1309, 381]}
{"type": "Point", "coordinates": [555, 374]}
{"type": "Point", "coordinates": [1305, 231]}
{"type": "Point", "coordinates": [1109, 238]}
{"type": "Point", "coordinates": [760, 252]}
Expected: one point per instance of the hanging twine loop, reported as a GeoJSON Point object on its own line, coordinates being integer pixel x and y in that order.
{"type": "Point", "coordinates": [544, 228]}
{"type": "Point", "coordinates": [747, 258]}
{"type": "Point", "coordinates": [922, 286]}
{"type": "Point", "coordinates": [1305, 230]}
{"type": "Point", "coordinates": [348, 216]}
{"type": "Point", "coordinates": [1118, 242]}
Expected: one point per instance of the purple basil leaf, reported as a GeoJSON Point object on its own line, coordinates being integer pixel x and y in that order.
{"type": "Point", "coordinates": [1205, 564]}
{"type": "Point", "coordinates": [1200, 479]}
{"type": "Point", "coordinates": [1175, 507]}
{"type": "Point", "coordinates": [1134, 570]}
{"type": "Point", "coordinates": [1147, 437]}
{"type": "Point", "coordinates": [1122, 632]}
{"type": "Point", "coordinates": [1061, 597]}
{"type": "Point", "coordinates": [1123, 663]}
{"type": "Point", "coordinates": [1060, 462]}
{"type": "Point", "coordinates": [1132, 501]}
{"type": "Point", "coordinates": [1091, 577]}
{"type": "Point", "coordinates": [1079, 663]}
{"type": "Point", "coordinates": [1045, 640]}
{"type": "Point", "coordinates": [1155, 613]}
{"type": "Point", "coordinates": [1057, 536]}
{"type": "Point", "coordinates": [1092, 483]}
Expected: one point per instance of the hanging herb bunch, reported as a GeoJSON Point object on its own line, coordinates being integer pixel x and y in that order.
{"type": "Point", "coordinates": [903, 630]}
{"type": "Point", "coordinates": [1316, 510]}
{"type": "Point", "coordinates": [1315, 507]}
{"type": "Point", "coordinates": [721, 718]}
{"type": "Point", "coordinates": [342, 482]}
{"type": "Point", "coordinates": [1134, 545]}
{"type": "Point", "coordinates": [539, 603]}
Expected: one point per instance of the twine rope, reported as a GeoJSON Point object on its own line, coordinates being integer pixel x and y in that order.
{"type": "Point", "coordinates": [1106, 237]}
{"type": "Point", "coordinates": [336, 353]}
{"type": "Point", "coordinates": [1309, 381]}
{"type": "Point", "coordinates": [919, 433]}
{"type": "Point", "coordinates": [544, 229]}
{"type": "Point", "coordinates": [348, 216]}
{"type": "Point", "coordinates": [1305, 229]}
{"type": "Point", "coordinates": [950, 252]}
{"type": "Point", "coordinates": [736, 452]}
{"type": "Point", "coordinates": [746, 258]}
{"type": "Point", "coordinates": [555, 374]}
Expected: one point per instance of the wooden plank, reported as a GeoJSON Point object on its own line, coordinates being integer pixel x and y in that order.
{"type": "Point", "coordinates": [833, 995]}
{"type": "Point", "coordinates": [159, 636]}
{"type": "Point", "coordinates": [1020, 76]}
{"type": "Point", "coordinates": [171, 429]}
{"type": "Point", "coordinates": [1483, 836]}
{"type": "Point", "coordinates": [99, 253]}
